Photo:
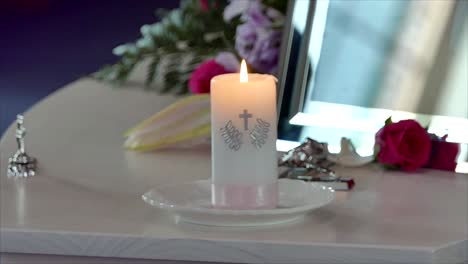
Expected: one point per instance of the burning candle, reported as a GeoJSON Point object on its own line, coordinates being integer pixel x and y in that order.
{"type": "Point", "coordinates": [243, 137]}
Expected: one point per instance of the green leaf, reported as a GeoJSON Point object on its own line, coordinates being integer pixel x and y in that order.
{"type": "Point", "coordinates": [390, 167]}
{"type": "Point", "coordinates": [427, 126]}
{"type": "Point", "coordinates": [180, 88]}
{"type": "Point", "coordinates": [389, 121]}
{"type": "Point", "coordinates": [280, 5]}
{"type": "Point", "coordinates": [376, 151]}
{"type": "Point", "coordinates": [151, 71]}
{"type": "Point", "coordinates": [175, 46]}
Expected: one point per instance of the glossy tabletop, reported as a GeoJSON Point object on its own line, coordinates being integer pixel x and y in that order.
{"type": "Point", "coordinates": [85, 200]}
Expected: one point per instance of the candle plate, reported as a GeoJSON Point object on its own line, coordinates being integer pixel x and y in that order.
{"type": "Point", "coordinates": [191, 202]}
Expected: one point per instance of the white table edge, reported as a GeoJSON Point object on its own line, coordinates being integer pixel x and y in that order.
{"type": "Point", "coordinates": [20, 241]}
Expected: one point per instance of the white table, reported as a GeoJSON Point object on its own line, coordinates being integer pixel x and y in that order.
{"type": "Point", "coordinates": [85, 200]}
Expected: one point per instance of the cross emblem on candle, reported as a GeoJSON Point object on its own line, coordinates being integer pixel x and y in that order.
{"type": "Point", "coordinates": [246, 117]}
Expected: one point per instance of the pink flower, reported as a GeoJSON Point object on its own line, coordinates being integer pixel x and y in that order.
{"type": "Point", "coordinates": [200, 79]}
{"type": "Point", "coordinates": [443, 154]}
{"type": "Point", "coordinates": [404, 144]}
{"type": "Point", "coordinates": [205, 6]}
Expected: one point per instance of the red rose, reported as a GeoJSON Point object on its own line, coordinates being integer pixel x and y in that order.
{"type": "Point", "coordinates": [205, 5]}
{"type": "Point", "coordinates": [443, 155]}
{"type": "Point", "coordinates": [200, 79]}
{"type": "Point", "coordinates": [404, 144]}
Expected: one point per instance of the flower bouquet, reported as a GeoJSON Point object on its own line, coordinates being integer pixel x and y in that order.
{"type": "Point", "coordinates": [406, 145]}
{"type": "Point", "coordinates": [403, 145]}
{"type": "Point", "coordinates": [188, 47]}
{"type": "Point", "coordinates": [202, 39]}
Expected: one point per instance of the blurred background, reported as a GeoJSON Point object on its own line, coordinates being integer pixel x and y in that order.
{"type": "Point", "coordinates": [364, 61]}
{"type": "Point", "coordinates": [362, 54]}
{"type": "Point", "coordinates": [45, 44]}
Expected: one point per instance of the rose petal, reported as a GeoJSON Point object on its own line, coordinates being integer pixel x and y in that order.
{"type": "Point", "coordinates": [405, 144]}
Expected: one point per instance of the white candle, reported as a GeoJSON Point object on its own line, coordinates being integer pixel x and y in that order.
{"type": "Point", "coordinates": [243, 131]}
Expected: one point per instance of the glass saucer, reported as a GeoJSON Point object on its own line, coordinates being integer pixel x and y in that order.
{"type": "Point", "coordinates": [191, 202]}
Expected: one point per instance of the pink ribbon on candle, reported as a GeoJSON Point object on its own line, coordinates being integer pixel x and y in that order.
{"type": "Point", "coordinates": [244, 197]}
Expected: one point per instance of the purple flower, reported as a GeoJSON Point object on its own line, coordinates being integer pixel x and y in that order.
{"type": "Point", "coordinates": [246, 37]}
{"type": "Point", "coordinates": [253, 11]}
{"type": "Point", "coordinates": [259, 46]}
{"type": "Point", "coordinates": [257, 40]}
{"type": "Point", "coordinates": [236, 8]}
{"type": "Point", "coordinates": [228, 61]}
{"type": "Point", "coordinates": [261, 15]}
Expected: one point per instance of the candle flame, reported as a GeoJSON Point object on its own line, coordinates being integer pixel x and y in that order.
{"type": "Point", "coordinates": [244, 76]}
